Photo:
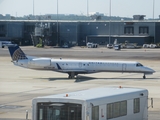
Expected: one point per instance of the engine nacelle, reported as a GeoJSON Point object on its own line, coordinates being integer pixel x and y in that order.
{"type": "Point", "coordinates": [40, 62]}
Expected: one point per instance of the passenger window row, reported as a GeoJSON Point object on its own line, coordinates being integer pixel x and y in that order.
{"type": "Point", "coordinates": [116, 109]}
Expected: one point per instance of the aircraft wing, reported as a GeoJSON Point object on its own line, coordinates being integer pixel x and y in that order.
{"type": "Point", "coordinates": [73, 70]}
{"type": "Point", "coordinates": [83, 71]}
{"type": "Point", "coordinates": [76, 71]}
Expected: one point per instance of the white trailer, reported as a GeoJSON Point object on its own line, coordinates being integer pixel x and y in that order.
{"type": "Point", "coordinates": [115, 103]}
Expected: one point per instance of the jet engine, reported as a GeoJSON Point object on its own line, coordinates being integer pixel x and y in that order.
{"type": "Point", "coordinates": [40, 62]}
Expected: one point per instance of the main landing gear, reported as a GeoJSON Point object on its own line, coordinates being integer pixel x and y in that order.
{"type": "Point", "coordinates": [72, 75]}
{"type": "Point", "coordinates": [144, 76]}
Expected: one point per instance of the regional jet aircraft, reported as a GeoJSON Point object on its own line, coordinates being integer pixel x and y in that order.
{"type": "Point", "coordinates": [75, 67]}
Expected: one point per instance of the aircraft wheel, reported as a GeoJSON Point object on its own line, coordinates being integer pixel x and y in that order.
{"type": "Point", "coordinates": [71, 75]}
{"type": "Point", "coordinates": [144, 77]}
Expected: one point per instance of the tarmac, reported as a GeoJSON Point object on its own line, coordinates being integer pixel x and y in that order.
{"type": "Point", "coordinates": [18, 86]}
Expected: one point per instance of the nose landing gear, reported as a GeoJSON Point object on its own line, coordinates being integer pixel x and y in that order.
{"type": "Point", "coordinates": [144, 76]}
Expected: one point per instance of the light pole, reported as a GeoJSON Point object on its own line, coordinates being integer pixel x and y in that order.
{"type": "Point", "coordinates": [153, 7]}
{"type": "Point", "coordinates": [57, 23]}
{"type": "Point", "coordinates": [153, 16]}
{"type": "Point", "coordinates": [33, 7]}
{"type": "Point", "coordinates": [109, 21]}
{"type": "Point", "coordinates": [87, 8]}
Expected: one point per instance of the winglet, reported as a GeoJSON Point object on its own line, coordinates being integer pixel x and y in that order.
{"type": "Point", "coordinates": [16, 53]}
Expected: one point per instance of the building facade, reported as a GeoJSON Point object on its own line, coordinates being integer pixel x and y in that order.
{"type": "Point", "coordinates": [53, 32]}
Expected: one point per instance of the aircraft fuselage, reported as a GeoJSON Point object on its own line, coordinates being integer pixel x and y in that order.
{"type": "Point", "coordinates": [83, 66]}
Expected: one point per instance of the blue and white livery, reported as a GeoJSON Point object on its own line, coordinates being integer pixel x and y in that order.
{"type": "Point", "coordinates": [75, 67]}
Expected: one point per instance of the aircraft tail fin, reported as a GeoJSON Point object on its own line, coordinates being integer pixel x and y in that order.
{"type": "Point", "coordinates": [16, 53]}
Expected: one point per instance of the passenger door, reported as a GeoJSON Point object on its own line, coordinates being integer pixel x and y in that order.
{"type": "Point", "coordinates": [80, 65]}
{"type": "Point", "coordinates": [124, 67]}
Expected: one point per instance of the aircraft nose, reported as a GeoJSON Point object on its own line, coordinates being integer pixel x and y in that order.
{"type": "Point", "coordinates": [153, 71]}
{"type": "Point", "coordinates": [150, 70]}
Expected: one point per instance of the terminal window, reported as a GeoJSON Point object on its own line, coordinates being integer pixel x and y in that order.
{"type": "Point", "coordinates": [2, 28]}
{"type": "Point", "coordinates": [143, 30]}
{"type": "Point", "coordinates": [128, 30]}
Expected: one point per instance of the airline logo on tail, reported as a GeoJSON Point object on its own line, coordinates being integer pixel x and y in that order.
{"type": "Point", "coordinates": [16, 53]}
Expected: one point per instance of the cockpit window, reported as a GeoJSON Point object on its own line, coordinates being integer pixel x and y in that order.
{"type": "Point", "coordinates": [139, 64]}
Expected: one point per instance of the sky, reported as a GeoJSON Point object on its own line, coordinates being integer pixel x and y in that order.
{"type": "Point", "coordinates": [122, 8]}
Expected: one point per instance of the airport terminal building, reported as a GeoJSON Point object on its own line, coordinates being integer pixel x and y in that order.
{"type": "Point", "coordinates": [59, 32]}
